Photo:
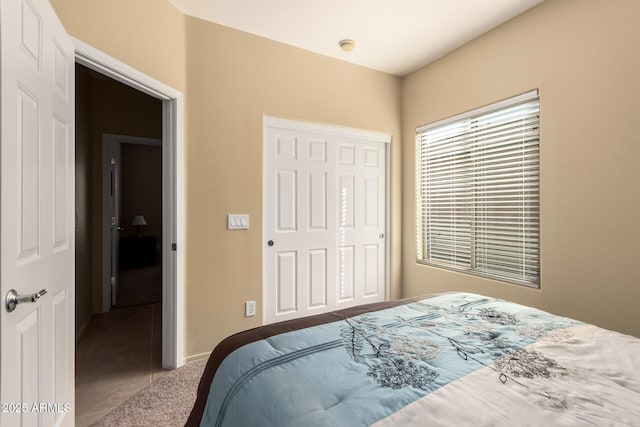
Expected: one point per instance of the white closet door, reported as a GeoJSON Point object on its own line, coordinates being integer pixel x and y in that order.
{"type": "Point", "coordinates": [361, 222]}
{"type": "Point", "coordinates": [300, 233]}
{"type": "Point", "coordinates": [324, 222]}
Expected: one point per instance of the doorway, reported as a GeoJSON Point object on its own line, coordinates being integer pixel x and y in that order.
{"type": "Point", "coordinates": [119, 207]}
{"type": "Point", "coordinates": [119, 187]}
{"type": "Point", "coordinates": [172, 316]}
{"type": "Point", "coordinates": [132, 216]}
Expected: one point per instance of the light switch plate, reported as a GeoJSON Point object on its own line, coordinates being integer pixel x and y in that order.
{"type": "Point", "coordinates": [237, 222]}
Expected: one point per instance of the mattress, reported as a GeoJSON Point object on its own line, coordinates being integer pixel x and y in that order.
{"type": "Point", "coordinates": [443, 360]}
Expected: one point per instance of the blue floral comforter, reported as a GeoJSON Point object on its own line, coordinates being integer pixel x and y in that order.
{"type": "Point", "coordinates": [452, 359]}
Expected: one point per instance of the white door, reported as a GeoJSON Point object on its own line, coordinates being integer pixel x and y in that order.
{"type": "Point", "coordinates": [36, 213]}
{"type": "Point", "coordinates": [112, 222]}
{"type": "Point", "coordinates": [324, 221]}
{"type": "Point", "coordinates": [361, 186]}
{"type": "Point", "coordinates": [115, 223]}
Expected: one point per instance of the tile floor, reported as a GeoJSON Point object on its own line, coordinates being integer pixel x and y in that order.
{"type": "Point", "coordinates": [119, 354]}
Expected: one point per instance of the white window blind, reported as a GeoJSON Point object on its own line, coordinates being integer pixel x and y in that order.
{"type": "Point", "coordinates": [478, 191]}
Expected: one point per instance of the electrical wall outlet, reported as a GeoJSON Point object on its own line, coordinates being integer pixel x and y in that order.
{"type": "Point", "coordinates": [249, 308]}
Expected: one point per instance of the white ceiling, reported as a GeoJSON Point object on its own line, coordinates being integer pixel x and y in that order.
{"type": "Point", "coordinates": [394, 36]}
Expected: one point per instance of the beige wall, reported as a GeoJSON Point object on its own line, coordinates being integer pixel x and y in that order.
{"type": "Point", "coordinates": [584, 57]}
{"type": "Point", "coordinates": [230, 80]}
{"type": "Point", "coordinates": [235, 78]}
{"type": "Point", "coordinates": [146, 34]}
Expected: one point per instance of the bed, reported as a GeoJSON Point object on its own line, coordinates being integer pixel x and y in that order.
{"type": "Point", "coordinates": [444, 360]}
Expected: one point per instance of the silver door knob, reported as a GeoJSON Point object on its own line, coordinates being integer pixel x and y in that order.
{"type": "Point", "coordinates": [13, 299]}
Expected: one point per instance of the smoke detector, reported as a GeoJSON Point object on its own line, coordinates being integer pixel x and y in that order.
{"type": "Point", "coordinates": [347, 45]}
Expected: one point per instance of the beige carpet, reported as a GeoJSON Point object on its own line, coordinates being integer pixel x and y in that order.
{"type": "Point", "coordinates": [166, 402]}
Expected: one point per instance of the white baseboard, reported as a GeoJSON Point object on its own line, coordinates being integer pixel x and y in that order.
{"type": "Point", "coordinates": [196, 357]}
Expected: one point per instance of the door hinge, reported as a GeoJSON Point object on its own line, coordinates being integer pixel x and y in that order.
{"type": "Point", "coordinates": [113, 281]}
{"type": "Point", "coordinates": [174, 247]}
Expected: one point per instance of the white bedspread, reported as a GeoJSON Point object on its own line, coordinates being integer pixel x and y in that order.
{"type": "Point", "coordinates": [599, 386]}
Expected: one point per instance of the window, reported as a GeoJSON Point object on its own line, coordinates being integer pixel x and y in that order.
{"type": "Point", "coordinates": [478, 191]}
